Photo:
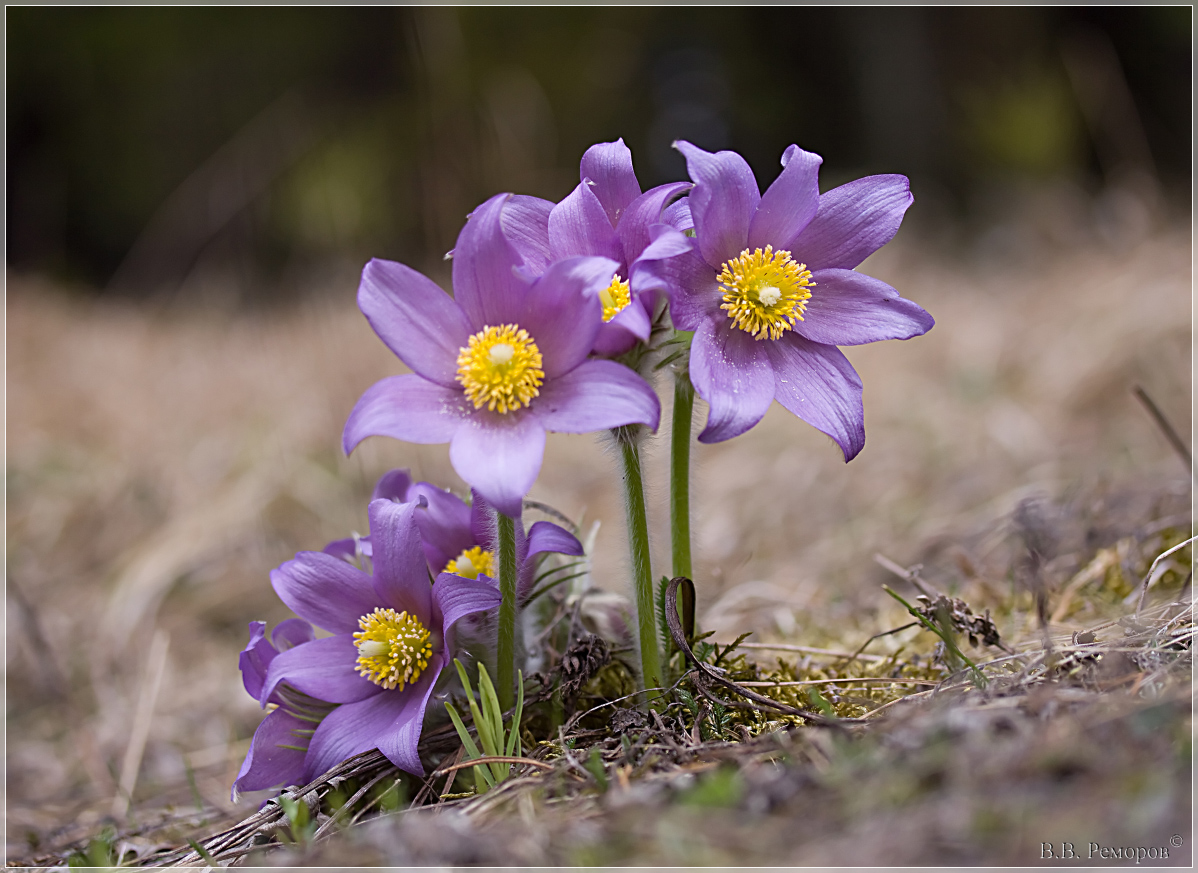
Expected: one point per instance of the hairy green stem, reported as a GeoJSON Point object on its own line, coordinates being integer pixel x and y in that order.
{"type": "Point", "coordinates": [680, 475]}
{"type": "Point", "coordinates": [505, 650]}
{"type": "Point", "coordinates": [638, 543]}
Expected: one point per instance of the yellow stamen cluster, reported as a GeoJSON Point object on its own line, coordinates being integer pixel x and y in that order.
{"type": "Point", "coordinates": [472, 563]}
{"type": "Point", "coordinates": [765, 291]}
{"type": "Point", "coordinates": [615, 297]}
{"type": "Point", "coordinates": [500, 368]}
{"type": "Point", "coordinates": [393, 648]}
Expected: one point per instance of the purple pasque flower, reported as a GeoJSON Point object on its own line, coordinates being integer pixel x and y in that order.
{"type": "Point", "coordinates": [608, 216]}
{"type": "Point", "coordinates": [280, 744]}
{"type": "Point", "coordinates": [459, 538]}
{"type": "Point", "coordinates": [393, 633]}
{"type": "Point", "coordinates": [770, 291]}
{"type": "Point", "coordinates": [498, 364]}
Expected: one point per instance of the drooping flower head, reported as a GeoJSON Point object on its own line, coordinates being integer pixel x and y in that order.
{"type": "Point", "coordinates": [608, 216]}
{"type": "Point", "coordinates": [393, 633]}
{"type": "Point", "coordinates": [459, 538]}
{"type": "Point", "coordinates": [771, 291]}
{"type": "Point", "coordinates": [501, 362]}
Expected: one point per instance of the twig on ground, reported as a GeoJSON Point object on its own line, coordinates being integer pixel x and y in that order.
{"type": "Point", "coordinates": [1166, 428]}
{"type": "Point", "coordinates": [1152, 569]}
{"type": "Point", "coordinates": [911, 574]}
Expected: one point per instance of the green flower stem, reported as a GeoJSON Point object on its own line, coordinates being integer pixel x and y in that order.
{"type": "Point", "coordinates": [638, 543]}
{"type": "Point", "coordinates": [680, 481]}
{"type": "Point", "coordinates": [505, 650]}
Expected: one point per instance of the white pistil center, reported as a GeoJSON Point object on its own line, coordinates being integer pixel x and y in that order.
{"type": "Point", "coordinates": [769, 295]}
{"type": "Point", "coordinates": [501, 353]}
{"type": "Point", "coordinates": [373, 648]}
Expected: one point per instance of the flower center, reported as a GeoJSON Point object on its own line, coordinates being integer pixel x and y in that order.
{"type": "Point", "coordinates": [393, 648]}
{"type": "Point", "coordinates": [501, 368]}
{"type": "Point", "coordinates": [472, 563]}
{"type": "Point", "coordinates": [615, 297]}
{"type": "Point", "coordinates": [765, 291]}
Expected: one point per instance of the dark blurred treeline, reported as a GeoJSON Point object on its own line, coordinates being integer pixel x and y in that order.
{"type": "Point", "coordinates": [151, 149]}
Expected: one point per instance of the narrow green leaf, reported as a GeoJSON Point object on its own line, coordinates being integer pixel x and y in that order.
{"type": "Point", "coordinates": [513, 740]}
{"type": "Point", "coordinates": [553, 570]}
{"type": "Point", "coordinates": [490, 704]}
{"type": "Point", "coordinates": [551, 585]}
{"type": "Point", "coordinates": [471, 748]}
{"type": "Point", "coordinates": [465, 680]}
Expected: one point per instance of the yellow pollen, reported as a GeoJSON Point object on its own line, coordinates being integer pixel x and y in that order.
{"type": "Point", "coordinates": [393, 648]}
{"type": "Point", "coordinates": [472, 563]}
{"type": "Point", "coordinates": [615, 297]}
{"type": "Point", "coordinates": [765, 292]}
{"type": "Point", "coordinates": [500, 368]}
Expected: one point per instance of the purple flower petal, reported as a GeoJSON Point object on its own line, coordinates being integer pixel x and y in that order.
{"type": "Point", "coordinates": [597, 395]}
{"type": "Point", "coordinates": [485, 284]}
{"type": "Point", "coordinates": [458, 597]}
{"type": "Point", "coordinates": [406, 408]}
{"type": "Point", "coordinates": [579, 226]}
{"type": "Point", "coordinates": [268, 764]}
{"type": "Point", "coordinates": [665, 242]}
{"type": "Point", "coordinates": [417, 320]}
{"type": "Point", "coordinates": [695, 294]}
{"type": "Point", "coordinates": [323, 669]}
{"type": "Point", "coordinates": [526, 223]}
{"type": "Point", "coordinates": [818, 384]}
{"type": "Point", "coordinates": [393, 485]}
{"type": "Point", "coordinates": [545, 536]}
{"type": "Point", "coordinates": [731, 372]}
{"type": "Point", "coordinates": [641, 215]}
{"type": "Point", "coordinates": [629, 326]}
{"type": "Point", "coordinates": [482, 522]}
{"type": "Point", "coordinates": [651, 273]}
{"type": "Point", "coordinates": [678, 215]}
{"type": "Point", "coordinates": [722, 202]}
{"type": "Point", "coordinates": [564, 312]}
{"type": "Point", "coordinates": [343, 549]}
{"type": "Point", "coordinates": [291, 632]}
{"type": "Point", "coordinates": [613, 340]}
{"type": "Point", "coordinates": [853, 222]}
{"type": "Point", "coordinates": [401, 739]}
{"type": "Point", "coordinates": [400, 571]}
{"type": "Point", "coordinates": [790, 202]}
{"type": "Point", "coordinates": [255, 658]}
{"type": "Point", "coordinates": [444, 525]}
{"type": "Point", "coordinates": [609, 166]}
{"type": "Point", "coordinates": [325, 591]}
{"type": "Point", "coordinates": [500, 455]}
{"type": "Point", "coordinates": [848, 308]}
{"type": "Point", "coordinates": [355, 728]}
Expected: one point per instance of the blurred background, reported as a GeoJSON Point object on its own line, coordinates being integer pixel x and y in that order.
{"type": "Point", "coordinates": [180, 151]}
{"type": "Point", "coordinates": [191, 194]}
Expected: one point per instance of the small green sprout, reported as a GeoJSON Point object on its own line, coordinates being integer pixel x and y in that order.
{"type": "Point", "coordinates": [303, 828]}
{"type": "Point", "coordinates": [488, 723]}
{"type": "Point", "coordinates": [100, 852]}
